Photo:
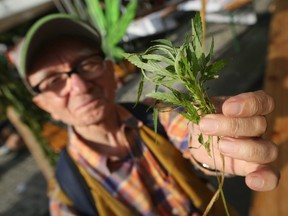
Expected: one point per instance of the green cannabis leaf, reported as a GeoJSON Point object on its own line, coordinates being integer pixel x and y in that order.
{"type": "Point", "coordinates": [165, 65]}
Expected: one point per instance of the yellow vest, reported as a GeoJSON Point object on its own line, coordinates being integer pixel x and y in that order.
{"type": "Point", "coordinates": [173, 161]}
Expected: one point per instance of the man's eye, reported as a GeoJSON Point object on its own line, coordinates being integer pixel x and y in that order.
{"type": "Point", "coordinates": [91, 64]}
{"type": "Point", "coordinates": [88, 67]}
{"type": "Point", "coordinates": [53, 81]}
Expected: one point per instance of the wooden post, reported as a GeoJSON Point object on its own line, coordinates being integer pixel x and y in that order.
{"type": "Point", "coordinates": [276, 84]}
{"type": "Point", "coordinates": [31, 143]}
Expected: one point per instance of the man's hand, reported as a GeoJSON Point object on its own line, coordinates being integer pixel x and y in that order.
{"type": "Point", "coordinates": [240, 127]}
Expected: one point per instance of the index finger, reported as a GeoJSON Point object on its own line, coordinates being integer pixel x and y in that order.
{"type": "Point", "coordinates": [248, 104]}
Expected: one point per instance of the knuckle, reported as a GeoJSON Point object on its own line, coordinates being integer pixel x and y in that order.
{"type": "Point", "coordinates": [271, 105]}
{"type": "Point", "coordinates": [260, 125]}
{"type": "Point", "coordinates": [254, 126]}
{"type": "Point", "coordinates": [269, 152]}
{"type": "Point", "coordinates": [234, 127]}
{"type": "Point", "coordinates": [259, 103]}
{"type": "Point", "coordinates": [260, 151]}
{"type": "Point", "coordinates": [255, 152]}
{"type": "Point", "coordinates": [274, 152]}
{"type": "Point", "coordinates": [255, 105]}
{"type": "Point", "coordinates": [261, 99]}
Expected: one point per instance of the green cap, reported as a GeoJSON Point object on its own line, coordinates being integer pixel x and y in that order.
{"type": "Point", "coordinates": [50, 27]}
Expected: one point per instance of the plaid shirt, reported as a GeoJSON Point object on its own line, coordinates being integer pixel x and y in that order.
{"type": "Point", "coordinates": [140, 182]}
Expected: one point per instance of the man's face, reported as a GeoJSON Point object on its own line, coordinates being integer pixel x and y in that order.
{"type": "Point", "coordinates": [82, 101]}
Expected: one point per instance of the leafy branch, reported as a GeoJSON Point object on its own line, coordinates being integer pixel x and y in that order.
{"type": "Point", "coordinates": [164, 65]}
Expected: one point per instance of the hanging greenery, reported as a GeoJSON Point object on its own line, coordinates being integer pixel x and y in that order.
{"type": "Point", "coordinates": [14, 93]}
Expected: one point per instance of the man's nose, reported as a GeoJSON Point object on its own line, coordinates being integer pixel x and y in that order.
{"type": "Point", "coordinates": [78, 85]}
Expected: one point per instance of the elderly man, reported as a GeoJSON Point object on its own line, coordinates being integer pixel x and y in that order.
{"type": "Point", "coordinates": [126, 172]}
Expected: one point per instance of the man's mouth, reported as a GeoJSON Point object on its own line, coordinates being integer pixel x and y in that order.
{"type": "Point", "coordinates": [87, 104]}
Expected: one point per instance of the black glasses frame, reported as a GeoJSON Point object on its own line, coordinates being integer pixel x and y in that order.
{"type": "Point", "coordinates": [74, 70]}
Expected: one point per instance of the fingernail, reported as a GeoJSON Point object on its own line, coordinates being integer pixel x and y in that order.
{"type": "Point", "coordinates": [233, 108]}
{"type": "Point", "coordinates": [227, 147]}
{"type": "Point", "coordinates": [257, 182]}
{"type": "Point", "coordinates": [208, 125]}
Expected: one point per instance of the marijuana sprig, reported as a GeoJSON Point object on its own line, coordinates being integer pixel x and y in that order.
{"type": "Point", "coordinates": [165, 65]}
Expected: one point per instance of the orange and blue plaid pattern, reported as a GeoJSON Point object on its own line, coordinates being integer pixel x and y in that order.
{"type": "Point", "coordinates": [140, 182]}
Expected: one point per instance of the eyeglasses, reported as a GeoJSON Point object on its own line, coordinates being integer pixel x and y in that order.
{"type": "Point", "coordinates": [88, 69]}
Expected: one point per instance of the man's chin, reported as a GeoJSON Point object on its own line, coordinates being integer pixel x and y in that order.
{"type": "Point", "coordinates": [93, 116]}
{"type": "Point", "coordinates": [91, 119]}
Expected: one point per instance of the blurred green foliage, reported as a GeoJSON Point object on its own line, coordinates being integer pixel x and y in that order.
{"type": "Point", "coordinates": [14, 93]}
{"type": "Point", "coordinates": [110, 17]}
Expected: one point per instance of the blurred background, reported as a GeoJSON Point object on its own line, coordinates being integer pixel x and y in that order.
{"type": "Point", "coordinates": [252, 35]}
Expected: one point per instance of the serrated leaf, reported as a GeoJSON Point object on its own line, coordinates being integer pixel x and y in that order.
{"type": "Point", "coordinates": [118, 31]}
{"type": "Point", "coordinates": [188, 116]}
{"type": "Point", "coordinates": [197, 26]}
{"type": "Point", "coordinates": [158, 58]}
{"type": "Point", "coordinates": [96, 13]}
{"type": "Point", "coordinates": [216, 66]}
{"type": "Point", "coordinates": [195, 64]}
{"type": "Point", "coordinates": [155, 121]}
{"type": "Point", "coordinates": [112, 12]}
{"type": "Point", "coordinates": [202, 62]}
{"type": "Point", "coordinates": [197, 35]}
{"type": "Point", "coordinates": [159, 70]}
{"type": "Point", "coordinates": [164, 97]}
{"type": "Point", "coordinates": [162, 49]}
{"type": "Point", "coordinates": [140, 89]}
{"type": "Point", "coordinates": [178, 67]}
{"type": "Point", "coordinates": [201, 139]}
{"type": "Point", "coordinates": [187, 66]}
{"type": "Point", "coordinates": [135, 59]}
{"type": "Point", "coordinates": [209, 56]}
{"type": "Point", "coordinates": [165, 42]}
{"type": "Point", "coordinates": [207, 145]}
{"type": "Point", "coordinates": [154, 73]}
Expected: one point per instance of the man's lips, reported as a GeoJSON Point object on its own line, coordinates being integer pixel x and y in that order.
{"type": "Point", "coordinates": [87, 104]}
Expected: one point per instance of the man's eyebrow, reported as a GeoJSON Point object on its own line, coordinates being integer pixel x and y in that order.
{"type": "Point", "coordinates": [46, 73]}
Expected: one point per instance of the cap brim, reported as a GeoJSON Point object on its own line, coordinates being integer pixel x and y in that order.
{"type": "Point", "coordinates": [50, 27]}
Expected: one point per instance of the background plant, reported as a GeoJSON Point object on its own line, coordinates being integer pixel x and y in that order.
{"type": "Point", "coordinates": [13, 93]}
{"type": "Point", "coordinates": [111, 19]}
